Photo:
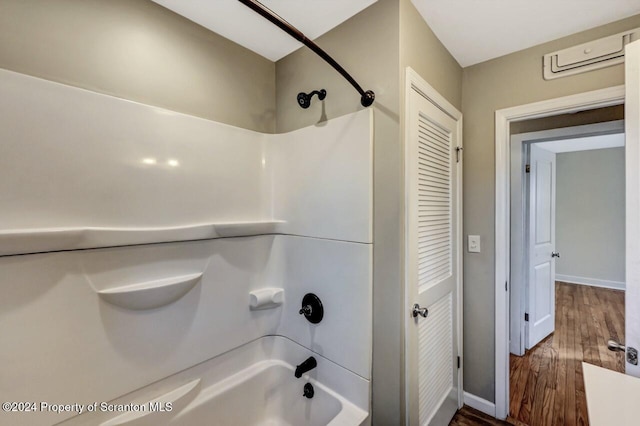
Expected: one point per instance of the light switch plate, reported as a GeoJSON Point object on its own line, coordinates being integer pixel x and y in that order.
{"type": "Point", "coordinates": [473, 243]}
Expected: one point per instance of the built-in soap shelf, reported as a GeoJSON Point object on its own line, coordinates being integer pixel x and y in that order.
{"type": "Point", "coordinates": [170, 397]}
{"type": "Point", "coordinates": [266, 298]}
{"type": "Point", "coordinates": [23, 241]}
{"type": "Point", "coordinates": [150, 294]}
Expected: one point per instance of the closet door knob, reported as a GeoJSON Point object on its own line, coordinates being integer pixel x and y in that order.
{"type": "Point", "coordinates": [417, 310]}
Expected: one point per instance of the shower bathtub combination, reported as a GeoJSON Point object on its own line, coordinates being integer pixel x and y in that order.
{"type": "Point", "coordinates": [160, 268]}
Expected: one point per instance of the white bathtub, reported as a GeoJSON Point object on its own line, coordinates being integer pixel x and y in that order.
{"type": "Point", "coordinates": [267, 394]}
{"type": "Point", "coordinates": [253, 385]}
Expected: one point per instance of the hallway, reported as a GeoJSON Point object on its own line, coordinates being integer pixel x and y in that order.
{"type": "Point", "coordinates": [546, 385]}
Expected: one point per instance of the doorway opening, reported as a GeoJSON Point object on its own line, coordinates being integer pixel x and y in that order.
{"type": "Point", "coordinates": [505, 119]}
{"type": "Point", "coordinates": [567, 217]}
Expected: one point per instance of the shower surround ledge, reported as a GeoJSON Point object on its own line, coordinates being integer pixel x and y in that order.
{"type": "Point", "coordinates": [25, 241]}
{"type": "Point", "coordinates": [86, 170]}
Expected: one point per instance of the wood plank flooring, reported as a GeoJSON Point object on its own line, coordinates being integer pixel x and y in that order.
{"type": "Point", "coordinates": [467, 416]}
{"type": "Point", "coordinates": [546, 385]}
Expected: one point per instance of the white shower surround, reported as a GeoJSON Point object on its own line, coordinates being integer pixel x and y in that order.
{"type": "Point", "coordinates": [111, 172]}
{"type": "Point", "coordinates": [75, 160]}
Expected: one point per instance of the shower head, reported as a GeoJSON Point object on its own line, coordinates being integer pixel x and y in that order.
{"type": "Point", "coordinates": [304, 100]}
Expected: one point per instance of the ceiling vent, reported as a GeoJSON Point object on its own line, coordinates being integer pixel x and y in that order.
{"type": "Point", "coordinates": [596, 54]}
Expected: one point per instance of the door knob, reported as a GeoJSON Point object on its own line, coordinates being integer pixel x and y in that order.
{"type": "Point", "coordinates": [555, 254]}
{"type": "Point", "coordinates": [417, 310]}
{"type": "Point", "coordinates": [632, 353]}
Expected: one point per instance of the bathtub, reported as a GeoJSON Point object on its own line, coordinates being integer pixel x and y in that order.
{"type": "Point", "coordinates": [267, 394]}
{"type": "Point", "coordinates": [253, 385]}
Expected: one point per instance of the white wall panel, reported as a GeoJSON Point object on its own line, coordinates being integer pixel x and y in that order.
{"type": "Point", "coordinates": [339, 274]}
{"type": "Point", "coordinates": [62, 343]}
{"type": "Point", "coordinates": [75, 158]}
{"type": "Point", "coordinates": [322, 178]}
{"type": "Point", "coordinates": [82, 170]}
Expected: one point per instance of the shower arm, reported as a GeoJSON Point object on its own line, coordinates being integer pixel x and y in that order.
{"type": "Point", "coordinates": [366, 97]}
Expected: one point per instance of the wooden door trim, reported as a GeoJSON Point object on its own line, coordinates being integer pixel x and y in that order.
{"type": "Point", "coordinates": [503, 119]}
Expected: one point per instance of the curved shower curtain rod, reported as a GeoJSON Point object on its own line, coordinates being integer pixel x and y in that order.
{"type": "Point", "coordinates": [367, 97]}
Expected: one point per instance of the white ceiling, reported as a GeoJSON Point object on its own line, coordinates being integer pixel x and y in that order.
{"type": "Point", "coordinates": [584, 144]}
{"type": "Point", "coordinates": [235, 21]}
{"type": "Point", "coordinates": [472, 30]}
{"type": "Point", "coordinates": [478, 30]}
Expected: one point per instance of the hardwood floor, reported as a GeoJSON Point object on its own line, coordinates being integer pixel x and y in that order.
{"type": "Point", "coordinates": [546, 385]}
{"type": "Point", "coordinates": [467, 416]}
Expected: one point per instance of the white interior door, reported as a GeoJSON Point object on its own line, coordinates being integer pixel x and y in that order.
{"type": "Point", "coordinates": [432, 262]}
{"type": "Point", "coordinates": [542, 242]}
{"type": "Point", "coordinates": [632, 172]}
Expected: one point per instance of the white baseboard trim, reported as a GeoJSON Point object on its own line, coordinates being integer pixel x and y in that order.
{"type": "Point", "coordinates": [480, 404]}
{"type": "Point", "coordinates": [616, 285]}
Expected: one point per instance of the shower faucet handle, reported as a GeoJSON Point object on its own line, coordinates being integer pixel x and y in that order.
{"type": "Point", "coordinates": [306, 310]}
{"type": "Point", "coordinates": [312, 308]}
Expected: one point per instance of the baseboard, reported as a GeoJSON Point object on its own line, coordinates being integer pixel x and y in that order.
{"type": "Point", "coordinates": [616, 285]}
{"type": "Point", "coordinates": [480, 404]}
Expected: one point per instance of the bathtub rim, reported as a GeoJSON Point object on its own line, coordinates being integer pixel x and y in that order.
{"type": "Point", "coordinates": [349, 388]}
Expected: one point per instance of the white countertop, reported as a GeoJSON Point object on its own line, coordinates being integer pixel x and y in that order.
{"type": "Point", "coordinates": [612, 398]}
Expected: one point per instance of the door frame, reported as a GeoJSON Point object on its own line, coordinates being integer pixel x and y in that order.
{"type": "Point", "coordinates": [503, 119]}
{"type": "Point", "coordinates": [414, 82]}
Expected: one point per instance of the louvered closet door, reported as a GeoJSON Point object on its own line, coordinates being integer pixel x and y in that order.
{"type": "Point", "coordinates": [432, 198]}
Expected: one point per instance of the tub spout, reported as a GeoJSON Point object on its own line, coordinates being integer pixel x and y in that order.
{"type": "Point", "coordinates": [307, 365]}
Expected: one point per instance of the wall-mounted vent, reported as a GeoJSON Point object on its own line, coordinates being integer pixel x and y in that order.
{"type": "Point", "coordinates": [596, 54]}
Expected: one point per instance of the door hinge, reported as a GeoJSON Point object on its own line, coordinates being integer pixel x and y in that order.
{"type": "Point", "coordinates": [506, 286]}
{"type": "Point", "coordinates": [458, 151]}
{"type": "Point", "coordinates": [458, 362]}
{"type": "Point", "coordinates": [526, 317]}
{"type": "Point", "coordinates": [527, 168]}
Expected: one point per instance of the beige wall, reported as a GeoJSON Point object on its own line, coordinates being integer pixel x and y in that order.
{"type": "Point", "coordinates": [367, 47]}
{"type": "Point", "coordinates": [511, 80]}
{"type": "Point", "coordinates": [140, 51]}
{"type": "Point", "coordinates": [375, 46]}
{"type": "Point", "coordinates": [590, 214]}
{"type": "Point", "coordinates": [421, 50]}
